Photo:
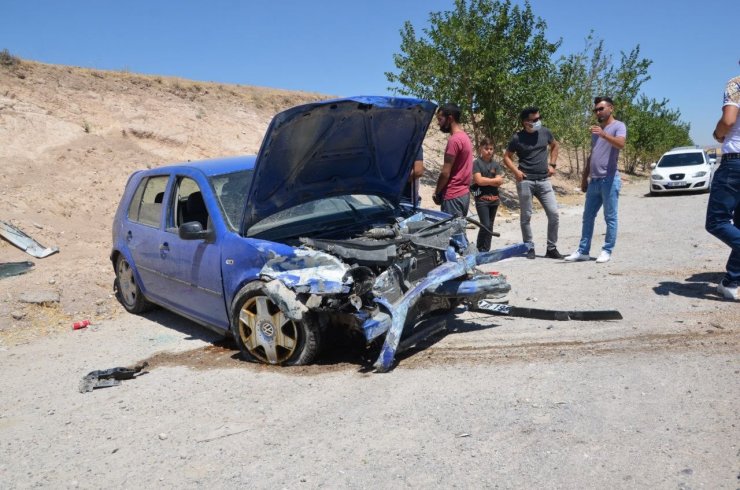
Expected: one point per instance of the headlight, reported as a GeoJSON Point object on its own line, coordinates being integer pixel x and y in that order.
{"type": "Point", "coordinates": [656, 177]}
{"type": "Point", "coordinates": [699, 174]}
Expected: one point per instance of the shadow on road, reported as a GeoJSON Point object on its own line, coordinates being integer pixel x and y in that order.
{"type": "Point", "coordinates": [702, 285]}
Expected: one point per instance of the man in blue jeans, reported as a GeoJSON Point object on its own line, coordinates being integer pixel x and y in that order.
{"type": "Point", "coordinates": [607, 138]}
{"type": "Point", "coordinates": [723, 210]}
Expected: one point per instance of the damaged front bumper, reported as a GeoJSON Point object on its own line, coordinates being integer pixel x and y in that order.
{"type": "Point", "coordinates": [302, 282]}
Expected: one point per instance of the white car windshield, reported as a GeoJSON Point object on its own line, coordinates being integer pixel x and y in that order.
{"type": "Point", "coordinates": [681, 159]}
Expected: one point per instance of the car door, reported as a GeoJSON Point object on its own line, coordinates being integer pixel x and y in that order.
{"type": "Point", "coordinates": [193, 267]}
{"type": "Point", "coordinates": [144, 232]}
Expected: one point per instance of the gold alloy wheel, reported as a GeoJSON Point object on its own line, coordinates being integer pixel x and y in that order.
{"type": "Point", "coordinates": [266, 332]}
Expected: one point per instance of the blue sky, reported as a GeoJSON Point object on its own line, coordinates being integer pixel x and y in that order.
{"type": "Point", "coordinates": [344, 47]}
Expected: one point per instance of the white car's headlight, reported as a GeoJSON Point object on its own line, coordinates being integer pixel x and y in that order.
{"type": "Point", "coordinates": [656, 177]}
{"type": "Point", "coordinates": [699, 174]}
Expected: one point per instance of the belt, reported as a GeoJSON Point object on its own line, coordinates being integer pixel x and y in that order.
{"type": "Point", "coordinates": [730, 156]}
{"type": "Point", "coordinates": [536, 180]}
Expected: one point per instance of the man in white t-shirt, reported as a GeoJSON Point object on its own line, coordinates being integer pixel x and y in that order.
{"type": "Point", "coordinates": [723, 209]}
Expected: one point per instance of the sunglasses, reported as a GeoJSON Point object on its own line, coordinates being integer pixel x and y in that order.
{"type": "Point", "coordinates": [531, 121]}
{"type": "Point", "coordinates": [599, 109]}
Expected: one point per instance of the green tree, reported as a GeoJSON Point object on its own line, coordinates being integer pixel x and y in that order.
{"type": "Point", "coordinates": [578, 77]}
{"type": "Point", "coordinates": [653, 128]}
{"type": "Point", "coordinates": [490, 57]}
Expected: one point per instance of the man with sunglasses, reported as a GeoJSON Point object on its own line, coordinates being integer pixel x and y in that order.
{"type": "Point", "coordinates": [532, 176]}
{"type": "Point", "coordinates": [607, 138]}
{"type": "Point", "coordinates": [723, 210]}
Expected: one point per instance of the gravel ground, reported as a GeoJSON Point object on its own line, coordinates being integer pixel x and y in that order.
{"type": "Point", "coordinates": [645, 402]}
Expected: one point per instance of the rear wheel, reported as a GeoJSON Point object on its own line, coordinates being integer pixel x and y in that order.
{"type": "Point", "coordinates": [264, 333]}
{"type": "Point", "coordinates": [126, 289]}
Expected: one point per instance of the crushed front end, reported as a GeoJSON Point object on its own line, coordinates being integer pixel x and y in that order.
{"type": "Point", "coordinates": [384, 279]}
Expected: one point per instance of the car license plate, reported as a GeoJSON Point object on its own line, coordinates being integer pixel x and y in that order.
{"type": "Point", "coordinates": [677, 183]}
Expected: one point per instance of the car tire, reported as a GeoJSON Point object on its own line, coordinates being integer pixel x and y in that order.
{"type": "Point", "coordinates": [127, 291]}
{"type": "Point", "coordinates": [265, 334]}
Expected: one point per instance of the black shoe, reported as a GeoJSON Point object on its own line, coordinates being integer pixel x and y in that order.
{"type": "Point", "coordinates": [530, 253]}
{"type": "Point", "coordinates": [552, 253]}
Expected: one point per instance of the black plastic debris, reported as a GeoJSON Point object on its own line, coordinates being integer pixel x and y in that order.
{"type": "Point", "coordinates": [106, 378]}
{"type": "Point", "coordinates": [485, 306]}
{"type": "Point", "coordinates": [8, 269]}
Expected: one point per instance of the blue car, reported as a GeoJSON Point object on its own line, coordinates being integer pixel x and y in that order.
{"type": "Point", "coordinates": [308, 236]}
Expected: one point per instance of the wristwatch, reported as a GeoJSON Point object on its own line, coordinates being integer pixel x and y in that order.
{"type": "Point", "coordinates": [553, 165]}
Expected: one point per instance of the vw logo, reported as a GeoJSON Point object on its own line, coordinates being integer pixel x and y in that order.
{"type": "Point", "coordinates": [267, 329]}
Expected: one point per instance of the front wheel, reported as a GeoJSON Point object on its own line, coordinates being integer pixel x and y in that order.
{"type": "Point", "coordinates": [264, 333]}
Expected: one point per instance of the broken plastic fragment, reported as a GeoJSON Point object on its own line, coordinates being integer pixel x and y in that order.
{"type": "Point", "coordinates": [25, 242]}
{"type": "Point", "coordinates": [8, 269]}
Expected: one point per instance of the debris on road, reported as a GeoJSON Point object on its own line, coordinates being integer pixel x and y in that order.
{"type": "Point", "coordinates": [8, 269]}
{"type": "Point", "coordinates": [485, 306]}
{"type": "Point", "coordinates": [109, 377]}
{"type": "Point", "coordinates": [25, 242]}
{"type": "Point", "coordinates": [81, 324]}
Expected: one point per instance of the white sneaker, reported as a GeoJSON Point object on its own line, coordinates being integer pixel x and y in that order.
{"type": "Point", "coordinates": [577, 256]}
{"type": "Point", "coordinates": [728, 292]}
{"type": "Point", "coordinates": [604, 256]}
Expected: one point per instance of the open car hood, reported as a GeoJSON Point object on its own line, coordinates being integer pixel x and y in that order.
{"type": "Point", "coordinates": [357, 145]}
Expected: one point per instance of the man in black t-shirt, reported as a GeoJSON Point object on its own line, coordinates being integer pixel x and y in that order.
{"type": "Point", "coordinates": [532, 175]}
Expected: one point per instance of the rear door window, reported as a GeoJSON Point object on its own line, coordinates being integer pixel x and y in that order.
{"type": "Point", "coordinates": [146, 204]}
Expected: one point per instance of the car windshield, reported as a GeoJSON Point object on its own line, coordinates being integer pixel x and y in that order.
{"type": "Point", "coordinates": [231, 191]}
{"type": "Point", "coordinates": [321, 215]}
{"type": "Point", "coordinates": [681, 159]}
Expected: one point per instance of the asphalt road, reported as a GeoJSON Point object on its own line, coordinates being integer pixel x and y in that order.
{"type": "Point", "coordinates": [650, 401]}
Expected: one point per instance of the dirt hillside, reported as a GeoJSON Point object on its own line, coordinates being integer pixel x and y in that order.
{"type": "Point", "coordinates": [71, 137]}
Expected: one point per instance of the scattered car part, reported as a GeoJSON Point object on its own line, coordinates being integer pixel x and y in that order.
{"type": "Point", "coordinates": [8, 269]}
{"type": "Point", "coordinates": [487, 306]}
{"type": "Point", "coordinates": [25, 242]}
{"type": "Point", "coordinates": [106, 378]}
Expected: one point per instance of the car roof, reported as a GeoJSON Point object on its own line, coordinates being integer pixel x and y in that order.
{"type": "Point", "coordinates": [685, 149]}
{"type": "Point", "coordinates": [214, 166]}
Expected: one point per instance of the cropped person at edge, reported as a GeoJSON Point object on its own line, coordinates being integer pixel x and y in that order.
{"type": "Point", "coordinates": [723, 209]}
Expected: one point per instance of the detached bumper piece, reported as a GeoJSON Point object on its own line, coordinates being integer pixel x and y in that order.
{"type": "Point", "coordinates": [485, 306]}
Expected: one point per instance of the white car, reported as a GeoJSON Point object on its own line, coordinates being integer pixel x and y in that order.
{"type": "Point", "coordinates": [687, 168]}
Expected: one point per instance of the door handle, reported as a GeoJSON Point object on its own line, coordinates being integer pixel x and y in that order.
{"type": "Point", "coordinates": [129, 236]}
{"type": "Point", "coordinates": [164, 249]}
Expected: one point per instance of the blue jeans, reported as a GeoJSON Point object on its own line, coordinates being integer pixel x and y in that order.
{"type": "Point", "coordinates": [601, 191]}
{"type": "Point", "coordinates": [723, 213]}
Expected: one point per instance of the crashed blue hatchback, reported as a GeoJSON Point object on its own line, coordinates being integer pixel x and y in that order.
{"type": "Point", "coordinates": [309, 236]}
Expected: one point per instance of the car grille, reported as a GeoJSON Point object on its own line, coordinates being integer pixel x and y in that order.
{"type": "Point", "coordinates": [677, 176]}
{"type": "Point", "coordinates": [426, 260]}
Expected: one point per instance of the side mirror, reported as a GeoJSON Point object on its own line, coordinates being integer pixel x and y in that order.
{"type": "Point", "coordinates": [193, 230]}
{"type": "Point", "coordinates": [652, 165]}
